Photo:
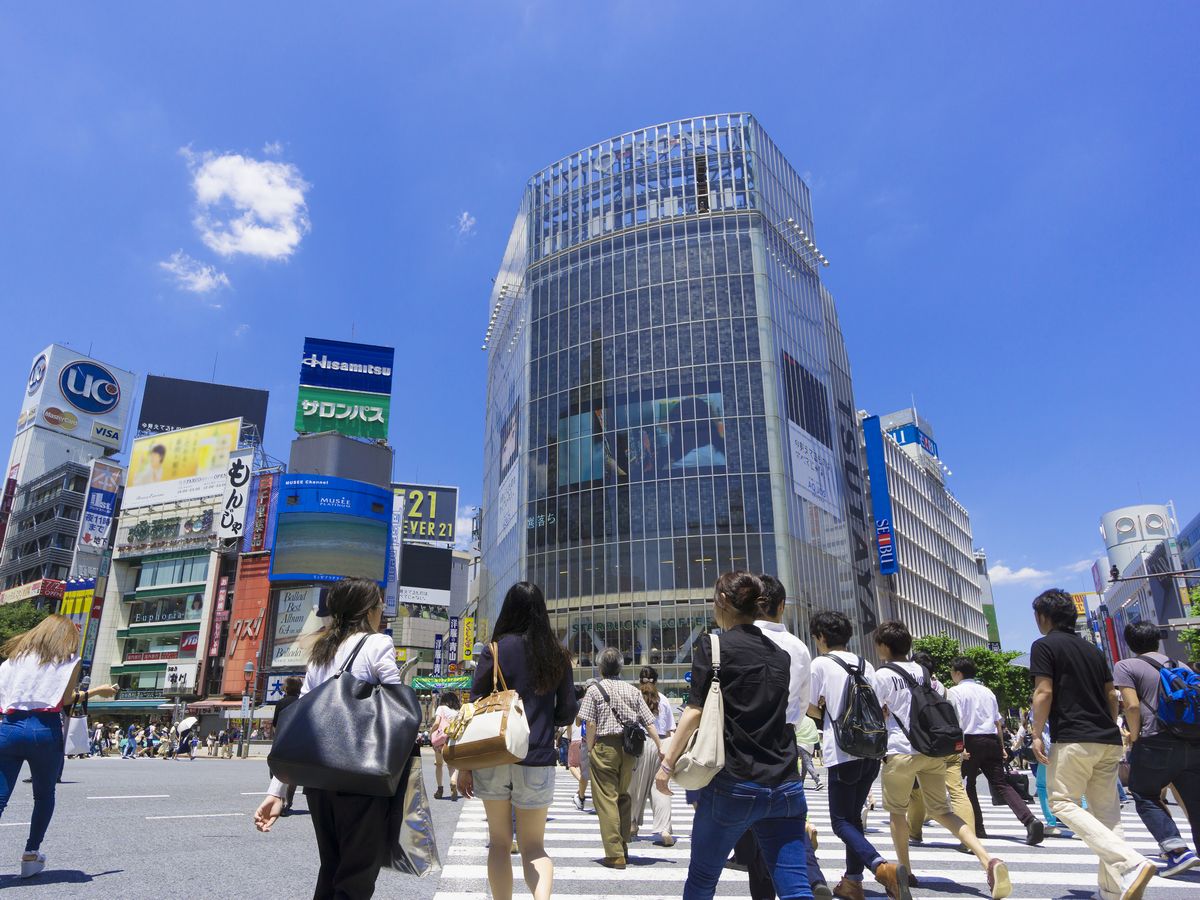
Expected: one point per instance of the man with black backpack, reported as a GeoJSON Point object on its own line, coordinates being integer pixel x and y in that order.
{"type": "Point", "coordinates": [983, 745]}
{"type": "Point", "coordinates": [923, 731]}
{"type": "Point", "coordinates": [853, 740]}
{"type": "Point", "coordinates": [1160, 731]}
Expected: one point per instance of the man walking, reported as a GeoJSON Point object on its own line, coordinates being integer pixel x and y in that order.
{"type": "Point", "coordinates": [893, 641]}
{"type": "Point", "coordinates": [983, 748]}
{"type": "Point", "coordinates": [1073, 690]}
{"type": "Point", "coordinates": [848, 778]}
{"type": "Point", "coordinates": [1159, 757]}
{"type": "Point", "coordinates": [291, 693]}
{"type": "Point", "coordinates": [130, 750]}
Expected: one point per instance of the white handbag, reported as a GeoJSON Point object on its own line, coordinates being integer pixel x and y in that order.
{"type": "Point", "coordinates": [489, 732]}
{"type": "Point", "coordinates": [704, 755]}
{"type": "Point", "coordinates": [77, 738]}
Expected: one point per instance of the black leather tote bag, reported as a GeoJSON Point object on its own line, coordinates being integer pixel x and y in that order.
{"type": "Point", "coordinates": [347, 735]}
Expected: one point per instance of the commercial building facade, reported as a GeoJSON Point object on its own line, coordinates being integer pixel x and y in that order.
{"type": "Point", "coordinates": [935, 588]}
{"type": "Point", "coordinates": [669, 395]}
{"type": "Point", "coordinates": [43, 527]}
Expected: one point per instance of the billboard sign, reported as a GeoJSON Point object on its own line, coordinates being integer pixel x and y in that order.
{"type": "Point", "coordinates": [260, 531]}
{"type": "Point", "coordinates": [237, 489]}
{"type": "Point", "coordinates": [76, 395]}
{"type": "Point", "coordinates": [99, 506]}
{"type": "Point", "coordinates": [881, 498]}
{"type": "Point", "coordinates": [189, 464]}
{"type": "Point", "coordinates": [169, 404]}
{"type": "Point", "coordinates": [43, 587]}
{"type": "Point", "coordinates": [508, 502]}
{"type": "Point", "coordinates": [298, 617]}
{"type": "Point", "coordinates": [431, 512]}
{"type": "Point", "coordinates": [425, 575]}
{"type": "Point", "coordinates": [331, 528]}
{"type": "Point", "coordinates": [347, 367]}
{"type": "Point", "coordinates": [911, 434]}
{"type": "Point", "coordinates": [347, 412]}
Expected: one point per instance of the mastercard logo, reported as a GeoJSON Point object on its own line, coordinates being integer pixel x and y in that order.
{"type": "Point", "coordinates": [60, 418]}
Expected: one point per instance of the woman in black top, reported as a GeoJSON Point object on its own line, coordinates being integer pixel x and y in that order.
{"type": "Point", "coordinates": [537, 667]}
{"type": "Point", "coordinates": [760, 787]}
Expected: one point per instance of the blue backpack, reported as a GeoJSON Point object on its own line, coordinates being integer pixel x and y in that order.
{"type": "Point", "coordinates": [1178, 699]}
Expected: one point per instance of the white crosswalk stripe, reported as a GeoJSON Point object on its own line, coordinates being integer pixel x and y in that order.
{"type": "Point", "coordinates": [1060, 868]}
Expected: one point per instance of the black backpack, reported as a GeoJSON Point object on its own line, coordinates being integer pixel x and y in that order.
{"type": "Point", "coordinates": [933, 728]}
{"type": "Point", "coordinates": [860, 730]}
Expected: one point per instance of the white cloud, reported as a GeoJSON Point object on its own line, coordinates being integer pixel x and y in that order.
{"type": "Point", "coordinates": [193, 275]}
{"type": "Point", "coordinates": [241, 331]}
{"type": "Point", "coordinates": [465, 224]}
{"type": "Point", "coordinates": [249, 206]}
{"type": "Point", "coordinates": [274, 148]}
{"type": "Point", "coordinates": [1084, 565]}
{"type": "Point", "coordinates": [463, 526]}
{"type": "Point", "coordinates": [1002, 574]}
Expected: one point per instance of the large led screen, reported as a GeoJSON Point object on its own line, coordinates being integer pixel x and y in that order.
{"type": "Point", "coordinates": [331, 528]}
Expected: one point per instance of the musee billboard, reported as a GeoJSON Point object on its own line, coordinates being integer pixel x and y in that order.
{"type": "Point", "coordinates": [330, 528]}
{"type": "Point", "coordinates": [169, 404]}
{"type": "Point", "coordinates": [76, 395]}
{"type": "Point", "coordinates": [345, 387]}
{"type": "Point", "coordinates": [189, 464]}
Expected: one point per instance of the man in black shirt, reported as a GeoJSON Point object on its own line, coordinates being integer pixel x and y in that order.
{"type": "Point", "coordinates": [1073, 688]}
{"type": "Point", "coordinates": [291, 693]}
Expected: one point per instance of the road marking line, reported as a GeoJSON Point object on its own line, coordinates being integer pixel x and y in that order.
{"type": "Point", "coordinates": [13, 824]}
{"type": "Point", "coordinates": [198, 816]}
{"type": "Point", "coordinates": [254, 793]}
{"type": "Point", "coordinates": [133, 797]}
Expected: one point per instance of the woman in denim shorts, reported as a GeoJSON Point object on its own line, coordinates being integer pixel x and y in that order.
{"type": "Point", "coordinates": [537, 667]}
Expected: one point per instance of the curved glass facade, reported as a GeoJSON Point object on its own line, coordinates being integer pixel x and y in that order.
{"type": "Point", "coordinates": [668, 395]}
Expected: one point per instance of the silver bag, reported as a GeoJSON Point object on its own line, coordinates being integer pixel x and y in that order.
{"type": "Point", "coordinates": [411, 845]}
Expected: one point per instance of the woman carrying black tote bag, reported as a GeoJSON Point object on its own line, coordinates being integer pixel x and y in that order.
{"type": "Point", "coordinates": [351, 828]}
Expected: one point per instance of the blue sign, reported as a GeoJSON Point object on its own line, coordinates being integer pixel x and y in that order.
{"type": "Point", "coordinates": [89, 387]}
{"type": "Point", "coordinates": [347, 367]}
{"type": "Point", "coordinates": [327, 529]}
{"type": "Point", "coordinates": [911, 434]}
{"type": "Point", "coordinates": [881, 498]}
{"type": "Point", "coordinates": [687, 676]}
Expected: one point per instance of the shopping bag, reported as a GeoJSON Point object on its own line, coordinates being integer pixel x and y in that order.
{"type": "Point", "coordinates": [411, 845]}
{"type": "Point", "coordinates": [76, 740]}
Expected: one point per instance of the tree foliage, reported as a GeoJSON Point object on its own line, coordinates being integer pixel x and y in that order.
{"type": "Point", "coordinates": [1011, 684]}
{"type": "Point", "coordinates": [17, 618]}
{"type": "Point", "coordinates": [1191, 636]}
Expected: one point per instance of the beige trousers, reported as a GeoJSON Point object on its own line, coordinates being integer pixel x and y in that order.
{"type": "Point", "coordinates": [643, 789]}
{"type": "Point", "coordinates": [960, 803]}
{"type": "Point", "coordinates": [1078, 770]}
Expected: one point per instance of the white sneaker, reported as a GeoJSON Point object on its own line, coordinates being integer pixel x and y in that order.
{"type": "Point", "coordinates": [1133, 882]}
{"type": "Point", "coordinates": [31, 867]}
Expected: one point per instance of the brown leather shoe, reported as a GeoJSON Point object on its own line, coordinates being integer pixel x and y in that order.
{"type": "Point", "coordinates": [894, 878]}
{"type": "Point", "coordinates": [849, 890]}
{"type": "Point", "coordinates": [613, 862]}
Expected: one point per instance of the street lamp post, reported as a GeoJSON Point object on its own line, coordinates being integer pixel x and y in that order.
{"type": "Point", "coordinates": [247, 697]}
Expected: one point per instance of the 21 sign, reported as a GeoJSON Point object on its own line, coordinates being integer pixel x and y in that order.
{"type": "Point", "coordinates": [430, 512]}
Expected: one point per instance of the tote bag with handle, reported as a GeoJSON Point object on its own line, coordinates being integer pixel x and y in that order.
{"type": "Point", "coordinates": [347, 735]}
{"type": "Point", "coordinates": [489, 732]}
{"type": "Point", "coordinates": [704, 755]}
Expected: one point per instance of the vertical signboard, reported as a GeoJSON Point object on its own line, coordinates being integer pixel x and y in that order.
{"type": "Point", "coordinates": [810, 439]}
{"type": "Point", "coordinates": [468, 638]}
{"type": "Point", "coordinates": [264, 494]}
{"type": "Point", "coordinates": [508, 503]}
{"type": "Point", "coordinates": [391, 602]}
{"type": "Point", "coordinates": [99, 506]}
{"type": "Point", "coordinates": [881, 498]}
{"type": "Point", "coordinates": [452, 644]}
{"type": "Point", "coordinates": [437, 655]}
{"type": "Point", "coordinates": [237, 489]}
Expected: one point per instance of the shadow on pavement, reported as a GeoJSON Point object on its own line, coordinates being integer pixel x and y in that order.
{"type": "Point", "coordinates": [58, 876]}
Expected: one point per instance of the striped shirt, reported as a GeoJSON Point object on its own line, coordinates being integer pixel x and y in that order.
{"type": "Point", "coordinates": [626, 699]}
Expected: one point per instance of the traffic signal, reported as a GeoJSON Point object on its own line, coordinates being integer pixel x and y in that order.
{"type": "Point", "coordinates": [1114, 574]}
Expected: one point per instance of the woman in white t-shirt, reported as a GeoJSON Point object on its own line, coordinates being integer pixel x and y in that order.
{"type": "Point", "coordinates": [448, 706]}
{"type": "Point", "coordinates": [37, 680]}
{"type": "Point", "coordinates": [641, 789]}
{"type": "Point", "coordinates": [577, 757]}
{"type": "Point", "coordinates": [351, 829]}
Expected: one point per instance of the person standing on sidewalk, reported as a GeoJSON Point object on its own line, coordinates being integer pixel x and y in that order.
{"type": "Point", "coordinates": [608, 706]}
{"type": "Point", "coordinates": [848, 778]}
{"type": "Point", "coordinates": [1158, 757]}
{"type": "Point", "coordinates": [984, 748]}
{"type": "Point", "coordinates": [1073, 691]}
{"type": "Point", "coordinates": [893, 641]}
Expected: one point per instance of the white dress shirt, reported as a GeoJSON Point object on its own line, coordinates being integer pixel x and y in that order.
{"type": "Point", "coordinates": [978, 711]}
{"type": "Point", "coordinates": [800, 686]}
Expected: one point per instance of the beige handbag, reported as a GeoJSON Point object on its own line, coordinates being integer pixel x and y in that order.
{"type": "Point", "coordinates": [704, 755]}
{"type": "Point", "coordinates": [489, 732]}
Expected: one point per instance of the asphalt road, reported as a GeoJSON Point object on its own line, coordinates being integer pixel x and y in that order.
{"type": "Point", "coordinates": [151, 827]}
{"type": "Point", "coordinates": [154, 828]}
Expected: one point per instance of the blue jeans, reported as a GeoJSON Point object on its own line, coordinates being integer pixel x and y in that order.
{"type": "Point", "coordinates": [1155, 762]}
{"type": "Point", "coordinates": [36, 738]}
{"type": "Point", "coordinates": [848, 785]}
{"type": "Point", "coordinates": [776, 815]}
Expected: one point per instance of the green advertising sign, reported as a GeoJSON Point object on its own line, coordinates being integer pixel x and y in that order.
{"type": "Point", "coordinates": [352, 413]}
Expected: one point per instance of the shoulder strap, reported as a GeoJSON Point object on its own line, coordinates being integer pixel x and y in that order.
{"type": "Point", "coordinates": [1154, 662]}
{"type": "Point", "coordinates": [350, 659]}
{"type": "Point", "coordinates": [899, 670]}
{"type": "Point", "coordinates": [497, 674]}
{"type": "Point", "coordinates": [716, 654]}
{"type": "Point", "coordinates": [608, 700]}
{"type": "Point", "coordinates": [855, 670]}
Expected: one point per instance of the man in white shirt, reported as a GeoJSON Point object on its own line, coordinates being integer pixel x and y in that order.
{"type": "Point", "coordinates": [848, 778]}
{"type": "Point", "coordinates": [983, 747]}
{"type": "Point", "coordinates": [902, 764]}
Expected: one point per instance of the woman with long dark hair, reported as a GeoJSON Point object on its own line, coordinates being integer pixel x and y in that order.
{"type": "Point", "coordinates": [535, 665]}
{"type": "Point", "coordinates": [351, 828]}
{"type": "Point", "coordinates": [37, 679]}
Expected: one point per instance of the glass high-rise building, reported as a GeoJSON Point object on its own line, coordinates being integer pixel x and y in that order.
{"type": "Point", "coordinates": [669, 396]}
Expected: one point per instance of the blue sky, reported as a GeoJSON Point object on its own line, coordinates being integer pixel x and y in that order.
{"type": "Point", "coordinates": [1008, 197]}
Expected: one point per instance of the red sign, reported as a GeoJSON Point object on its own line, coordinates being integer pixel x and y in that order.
{"type": "Point", "coordinates": [151, 657]}
{"type": "Point", "coordinates": [189, 642]}
{"type": "Point", "coordinates": [262, 507]}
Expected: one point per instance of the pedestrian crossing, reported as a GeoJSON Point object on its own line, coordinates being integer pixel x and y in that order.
{"type": "Point", "coordinates": [1059, 868]}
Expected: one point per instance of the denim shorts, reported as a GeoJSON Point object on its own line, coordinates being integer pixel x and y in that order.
{"type": "Point", "coordinates": [528, 787]}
